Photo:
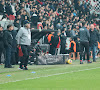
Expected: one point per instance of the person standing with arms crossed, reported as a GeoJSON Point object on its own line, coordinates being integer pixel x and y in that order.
{"type": "Point", "coordinates": [84, 42]}
{"type": "Point", "coordinates": [24, 40]}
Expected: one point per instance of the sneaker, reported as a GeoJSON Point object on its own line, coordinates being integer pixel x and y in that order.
{"type": "Point", "coordinates": [1, 63]}
{"type": "Point", "coordinates": [94, 60]}
{"type": "Point", "coordinates": [20, 67]}
{"type": "Point", "coordinates": [5, 66]}
{"type": "Point", "coordinates": [10, 66]}
{"type": "Point", "coordinates": [81, 62]}
{"type": "Point", "coordinates": [89, 61]}
{"type": "Point", "coordinates": [25, 68]}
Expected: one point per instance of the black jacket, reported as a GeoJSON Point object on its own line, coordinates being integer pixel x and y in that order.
{"type": "Point", "coordinates": [8, 38]}
{"type": "Point", "coordinates": [94, 37]}
{"type": "Point", "coordinates": [63, 39]}
{"type": "Point", "coordinates": [1, 40]}
{"type": "Point", "coordinates": [54, 40]}
{"type": "Point", "coordinates": [9, 9]}
{"type": "Point", "coordinates": [14, 42]}
{"type": "Point", "coordinates": [1, 9]}
{"type": "Point", "coordinates": [84, 35]}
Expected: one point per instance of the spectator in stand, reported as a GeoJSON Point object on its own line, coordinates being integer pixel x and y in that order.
{"type": "Point", "coordinates": [24, 17]}
{"type": "Point", "coordinates": [9, 8]}
{"type": "Point", "coordinates": [72, 32]}
{"type": "Point", "coordinates": [94, 38]}
{"type": "Point", "coordinates": [17, 22]}
{"type": "Point", "coordinates": [2, 8]}
{"type": "Point", "coordinates": [63, 41]}
{"type": "Point", "coordinates": [1, 42]}
{"type": "Point", "coordinates": [8, 39]}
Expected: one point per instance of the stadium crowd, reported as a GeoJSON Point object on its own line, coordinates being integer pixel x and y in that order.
{"type": "Point", "coordinates": [66, 16]}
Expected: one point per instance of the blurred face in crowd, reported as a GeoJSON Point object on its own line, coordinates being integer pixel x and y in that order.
{"type": "Point", "coordinates": [52, 32]}
{"type": "Point", "coordinates": [70, 39]}
{"type": "Point", "coordinates": [1, 29]}
{"type": "Point", "coordinates": [24, 12]}
{"type": "Point", "coordinates": [92, 27]}
{"type": "Point", "coordinates": [81, 24]}
{"type": "Point", "coordinates": [88, 26]}
{"type": "Point", "coordinates": [77, 27]}
{"type": "Point", "coordinates": [28, 25]}
{"type": "Point", "coordinates": [19, 16]}
{"type": "Point", "coordinates": [97, 27]}
{"type": "Point", "coordinates": [58, 33]}
{"type": "Point", "coordinates": [3, 3]}
{"type": "Point", "coordinates": [11, 28]}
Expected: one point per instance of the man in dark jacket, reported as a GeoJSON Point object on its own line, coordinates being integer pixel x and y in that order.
{"type": "Point", "coordinates": [1, 42]}
{"type": "Point", "coordinates": [94, 38]}
{"type": "Point", "coordinates": [17, 22]}
{"type": "Point", "coordinates": [54, 43]}
{"type": "Point", "coordinates": [63, 41]}
{"type": "Point", "coordinates": [14, 47]}
{"type": "Point", "coordinates": [9, 8]}
{"type": "Point", "coordinates": [2, 8]}
{"type": "Point", "coordinates": [84, 42]}
{"type": "Point", "coordinates": [8, 39]}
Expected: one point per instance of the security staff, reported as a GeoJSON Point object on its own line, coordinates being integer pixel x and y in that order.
{"type": "Point", "coordinates": [8, 38]}
{"type": "Point", "coordinates": [24, 40]}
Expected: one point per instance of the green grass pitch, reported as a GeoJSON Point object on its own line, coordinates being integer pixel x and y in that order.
{"type": "Point", "coordinates": [52, 77]}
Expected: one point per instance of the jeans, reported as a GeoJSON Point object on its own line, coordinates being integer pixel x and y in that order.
{"type": "Point", "coordinates": [93, 48]}
{"type": "Point", "coordinates": [8, 56]}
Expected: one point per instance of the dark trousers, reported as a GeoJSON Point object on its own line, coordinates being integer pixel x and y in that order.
{"type": "Point", "coordinates": [84, 45]}
{"type": "Point", "coordinates": [52, 50]}
{"type": "Point", "coordinates": [8, 56]}
{"type": "Point", "coordinates": [1, 51]}
{"type": "Point", "coordinates": [25, 51]}
{"type": "Point", "coordinates": [13, 60]}
{"type": "Point", "coordinates": [62, 49]}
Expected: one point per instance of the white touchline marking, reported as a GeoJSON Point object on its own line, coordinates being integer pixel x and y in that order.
{"type": "Point", "coordinates": [51, 75]}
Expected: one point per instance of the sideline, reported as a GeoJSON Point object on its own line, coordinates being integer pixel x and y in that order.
{"type": "Point", "coordinates": [52, 75]}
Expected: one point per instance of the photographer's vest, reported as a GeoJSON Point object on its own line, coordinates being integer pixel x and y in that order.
{"type": "Point", "coordinates": [74, 47]}
{"type": "Point", "coordinates": [98, 45]}
{"type": "Point", "coordinates": [49, 37]}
